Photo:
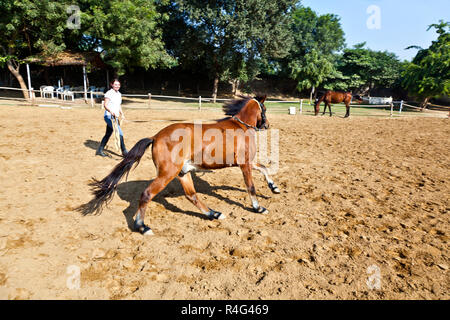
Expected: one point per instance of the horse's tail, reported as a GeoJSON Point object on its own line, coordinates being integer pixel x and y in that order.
{"type": "Point", "coordinates": [104, 189]}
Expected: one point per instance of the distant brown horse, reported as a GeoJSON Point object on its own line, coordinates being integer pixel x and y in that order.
{"type": "Point", "coordinates": [334, 97]}
{"type": "Point", "coordinates": [183, 147]}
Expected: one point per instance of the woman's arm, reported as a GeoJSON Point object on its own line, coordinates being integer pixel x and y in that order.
{"type": "Point", "coordinates": [107, 100]}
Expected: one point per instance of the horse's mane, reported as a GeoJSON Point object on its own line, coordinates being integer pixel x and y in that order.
{"type": "Point", "coordinates": [233, 107]}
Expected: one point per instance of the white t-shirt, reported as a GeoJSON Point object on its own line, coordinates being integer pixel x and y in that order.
{"type": "Point", "coordinates": [115, 100]}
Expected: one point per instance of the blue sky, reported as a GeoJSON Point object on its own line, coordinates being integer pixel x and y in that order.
{"type": "Point", "coordinates": [402, 23]}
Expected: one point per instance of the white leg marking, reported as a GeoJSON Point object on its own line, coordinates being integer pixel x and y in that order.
{"type": "Point", "coordinates": [255, 204]}
{"type": "Point", "coordinates": [187, 166]}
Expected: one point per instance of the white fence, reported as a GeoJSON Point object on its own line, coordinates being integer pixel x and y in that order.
{"type": "Point", "coordinates": [48, 94]}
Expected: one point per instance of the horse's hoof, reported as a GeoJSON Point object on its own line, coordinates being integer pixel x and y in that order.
{"type": "Point", "coordinates": [215, 215]}
{"type": "Point", "coordinates": [262, 210]}
{"type": "Point", "coordinates": [143, 229]}
{"type": "Point", "coordinates": [274, 188]}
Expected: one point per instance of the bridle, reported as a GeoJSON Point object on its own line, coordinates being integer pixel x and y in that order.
{"type": "Point", "coordinates": [263, 118]}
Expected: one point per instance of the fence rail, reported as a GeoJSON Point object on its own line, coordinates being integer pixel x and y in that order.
{"type": "Point", "coordinates": [68, 97]}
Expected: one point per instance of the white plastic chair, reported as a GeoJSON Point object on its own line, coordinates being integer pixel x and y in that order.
{"type": "Point", "coordinates": [67, 94]}
{"type": "Point", "coordinates": [40, 90]}
{"type": "Point", "coordinates": [48, 91]}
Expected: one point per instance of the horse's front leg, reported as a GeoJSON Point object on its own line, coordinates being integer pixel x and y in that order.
{"type": "Point", "coordinates": [329, 107]}
{"type": "Point", "coordinates": [347, 113]}
{"type": "Point", "coordinates": [247, 172]}
{"type": "Point", "coordinates": [265, 172]}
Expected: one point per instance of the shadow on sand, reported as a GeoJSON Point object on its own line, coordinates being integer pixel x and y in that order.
{"type": "Point", "coordinates": [131, 191]}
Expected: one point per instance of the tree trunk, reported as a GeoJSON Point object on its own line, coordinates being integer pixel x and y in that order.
{"type": "Point", "coordinates": [311, 95]}
{"type": "Point", "coordinates": [16, 73]}
{"type": "Point", "coordinates": [235, 86]}
{"type": "Point", "coordinates": [215, 87]}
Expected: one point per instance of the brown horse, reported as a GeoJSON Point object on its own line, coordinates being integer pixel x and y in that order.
{"type": "Point", "coordinates": [334, 97]}
{"type": "Point", "coordinates": [184, 147]}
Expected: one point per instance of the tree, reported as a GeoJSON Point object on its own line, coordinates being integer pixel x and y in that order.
{"type": "Point", "coordinates": [365, 68]}
{"type": "Point", "coordinates": [231, 38]}
{"type": "Point", "coordinates": [28, 27]}
{"type": "Point", "coordinates": [128, 32]}
{"type": "Point", "coordinates": [429, 72]}
{"type": "Point", "coordinates": [311, 60]}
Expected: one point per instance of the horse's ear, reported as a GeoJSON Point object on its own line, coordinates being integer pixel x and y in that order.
{"type": "Point", "coordinates": [261, 98]}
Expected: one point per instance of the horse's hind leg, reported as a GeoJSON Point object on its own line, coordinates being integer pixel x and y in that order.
{"type": "Point", "coordinates": [149, 193]}
{"type": "Point", "coordinates": [247, 172]}
{"type": "Point", "coordinates": [265, 172]}
{"type": "Point", "coordinates": [191, 195]}
{"type": "Point", "coordinates": [329, 107]}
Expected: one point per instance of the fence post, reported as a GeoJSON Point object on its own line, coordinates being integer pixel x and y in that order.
{"type": "Point", "coordinates": [200, 103]}
{"type": "Point", "coordinates": [301, 106]}
{"type": "Point", "coordinates": [401, 107]}
{"type": "Point", "coordinates": [29, 82]}
{"type": "Point", "coordinates": [92, 100]}
{"type": "Point", "coordinates": [149, 99]}
{"type": "Point", "coordinates": [32, 96]}
{"type": "Point", "coordinates": [84, 84]}
{"type": "Point", "coordinates": [392, 109]}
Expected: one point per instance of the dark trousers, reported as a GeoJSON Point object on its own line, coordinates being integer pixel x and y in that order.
{"type": "Point", "coordinates": [108, 133]}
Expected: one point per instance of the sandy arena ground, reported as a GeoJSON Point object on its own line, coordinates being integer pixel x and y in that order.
{"type": "Point", "coordinates": [362, 214]}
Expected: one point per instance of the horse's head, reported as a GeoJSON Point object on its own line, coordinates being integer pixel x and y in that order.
{"type": "Point", "coordinates": [249, 111]}
{"type": "Point", "coordinates": [261, 119]}
{"type": "Point", "coordinates": [316, 106]}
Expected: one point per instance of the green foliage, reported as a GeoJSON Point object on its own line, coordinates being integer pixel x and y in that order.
{"type": "Point", "coordinates": [29, 26]}
{"type": "Point", "coordinates": [230, 39]}
{"type": "Point", "coordinates": [364, 68]}
{"type": "Point", "coordinates": [311, 60]}
{"type": "Point", "coordinates": [227, 40]}
{"type": "Point", "coordinates": [128, 31]}
{"type": "Point", "coordinates": [429, 72]}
